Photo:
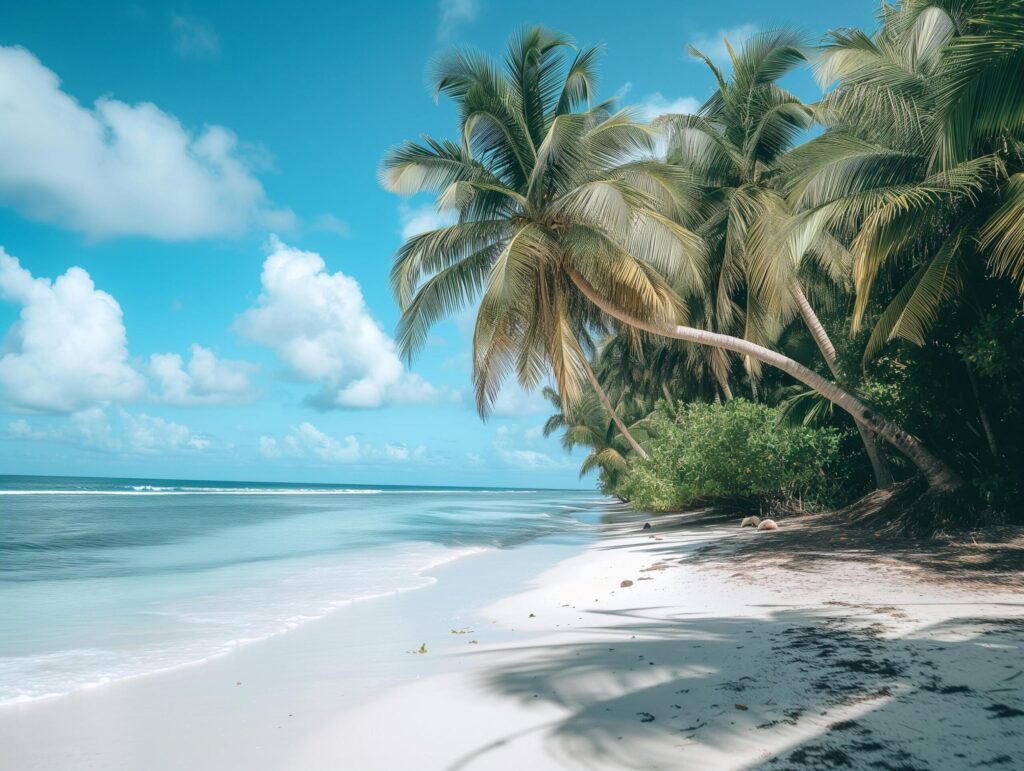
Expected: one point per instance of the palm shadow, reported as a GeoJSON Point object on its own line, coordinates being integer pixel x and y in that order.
{"type": "Point", "coordinates": [795, 689]}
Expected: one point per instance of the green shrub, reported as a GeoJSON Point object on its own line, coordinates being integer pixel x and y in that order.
{"type": "Point", "coordinates": [733, 450]}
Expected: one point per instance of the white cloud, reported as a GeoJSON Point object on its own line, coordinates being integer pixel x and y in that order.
{"type": "Point", "coordinates": [68, 351]}
{"type": "Point", "coordinates": [308, 438]}
{"type": "Point", "coordinates": [332, 224]}
{"type": "Point", "coordinates": [506, 449]}
{"type": "Point", "coordinates": [147, 434]}
{"type": "Point", "coordinates": [527, 458]}
{"type": "Point", "coordinates": [653, 105]}
{"type": "Point", "coordinates": [402, 452]}
{"type": "Point", "coordinates": [306, 441]}
{"type": "Point", "coordinates": [420, 219]}
{"type": "Point", "coordinates": [194, 38]}
{"type": "Point", "coordinates": [451, 13]}
{"type": "Point", "coordinates": [118, 169]}
{"type": "Point", "coordinates": [319, 326]}
{"type": "Point", "coordinates": [713, 46]}
{"type": "Point", "coordinates": [20, 429]}
{"type": "Point", "coordinates": [97, 428]}
{"type": "Point", "coordinates": [269, 447]}
{"type": "Point", "coordinates": [204, 380]}
{"type": "Point", "coordinates": [68, 348]}
{"type": "Point", "coordinates": [513, 402]}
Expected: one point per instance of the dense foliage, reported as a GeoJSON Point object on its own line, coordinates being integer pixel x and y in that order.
{"type": "Point", "coordinates": [858, 261]}
{"type": "Point", "coordinates": [733, 450]}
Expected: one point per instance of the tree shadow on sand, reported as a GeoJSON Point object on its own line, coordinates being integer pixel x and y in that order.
{"type": "Point", "coordinates": [809, 542]}
{"type": "Point", "coordinates": [796, 689]}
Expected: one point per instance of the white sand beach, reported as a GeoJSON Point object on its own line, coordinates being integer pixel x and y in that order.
{"type": "Point", "coordinates": [729, 649]}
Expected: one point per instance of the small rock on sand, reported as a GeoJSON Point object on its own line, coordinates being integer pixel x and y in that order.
{"type": "Point", "coordinates": [768, 524]}
{"type": "Point", "coordinates": [647, 526]}
{"type": "Point", "coordinates": [626, 583]}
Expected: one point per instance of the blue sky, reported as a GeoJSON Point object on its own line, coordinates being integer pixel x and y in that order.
{"type": "Point", "coordinates": [196, 249]}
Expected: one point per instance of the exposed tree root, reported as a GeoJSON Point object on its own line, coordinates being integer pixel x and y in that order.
{"type": "Point", "coordinates": [912, 508]}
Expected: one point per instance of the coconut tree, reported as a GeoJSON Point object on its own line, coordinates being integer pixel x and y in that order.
{"type": "Point", "coordinates": [538, 179]}
{"type": "Point", "coordinates": [734, 150]}
{"type": "Point", "coordinates": [922, 162]}
{"type": "Point", "coordinates": [554, 210]}
{"type": "Point", "coordinates": [650, 368]}
{"type": "Point", "coordinates": [588, 425]}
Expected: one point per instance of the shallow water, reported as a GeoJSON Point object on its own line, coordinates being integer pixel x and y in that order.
{"type": "Point", "coordinates": [103, 579]}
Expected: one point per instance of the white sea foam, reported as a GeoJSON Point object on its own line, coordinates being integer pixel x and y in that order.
{"type": "Point", "coordinates": [95, 592]}
{"type": "Point", "coordinates": [212, 626]}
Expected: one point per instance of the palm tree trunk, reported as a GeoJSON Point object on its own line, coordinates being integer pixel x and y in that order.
{"type": "Point", "coordinates": [990, 436]}
{"type": "Point", "coordinates": [938, 475]}
{"type": "Point", "coordinates": [883, 476]}
{"type": "Point", "coordinates": [611, 411]}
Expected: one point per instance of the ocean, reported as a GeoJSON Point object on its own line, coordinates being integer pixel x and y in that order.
{"type": "Point", "coordinates": [105, 579]}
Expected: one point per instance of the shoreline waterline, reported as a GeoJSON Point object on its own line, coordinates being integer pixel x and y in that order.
{"type": "Point", "coordinates": [107, 585]}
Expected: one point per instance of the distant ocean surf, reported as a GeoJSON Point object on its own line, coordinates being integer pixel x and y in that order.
{"type": "Point", "coordinates": [103, 579]}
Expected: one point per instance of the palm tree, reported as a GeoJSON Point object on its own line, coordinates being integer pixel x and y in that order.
{"type": "Point", "coordinates": [539, 180]}
{"type": "Point", "coordinates": [554, 209]}
{"type": "Point", "coordinates": [733, 150]}
{"type": "Point", "coordinates": [922, 162]}
{"type": "Point", "coordinates": [652, 368]}
{"type": "Point", "coordinates": [588, 425]}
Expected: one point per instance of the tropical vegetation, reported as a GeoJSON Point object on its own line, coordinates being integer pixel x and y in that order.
{"type": "Point", "coordinates": [852, 268]}
{"type": "Point", "coordinates": [730, 451]}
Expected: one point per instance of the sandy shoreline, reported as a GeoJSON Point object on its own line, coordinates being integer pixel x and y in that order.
{"type": "Point", "coordinates": [852, 663]}
{"type": "Point", "coordinates": [726, 651]}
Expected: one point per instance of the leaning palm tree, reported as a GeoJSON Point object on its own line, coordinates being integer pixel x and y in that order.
{"type": "Point", "coordinates": [734, 149]}
{"type": "Point", "coordinates": [539, 179]}
{"type": "Point", "coordinates": [652, 368]}
{"type": "Point", "coordinates": [554, 209]}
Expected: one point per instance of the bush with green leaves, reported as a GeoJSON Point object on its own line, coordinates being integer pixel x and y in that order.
{"type": "Point", "coordinates": [735, 450]}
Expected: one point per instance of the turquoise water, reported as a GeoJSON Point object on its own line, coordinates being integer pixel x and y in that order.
{"type": "Point", "coordinates": [103, 579]}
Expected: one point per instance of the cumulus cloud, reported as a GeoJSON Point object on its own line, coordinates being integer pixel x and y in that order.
{"type": "Point", "coordinates": [653, 105]}
{"type": "Point", "coordinates": [451, 13]}
{"type": "Point", "coordinates": [68, 348]}
{"type": "Point", "coordinates": [68, 351]}
{"type": "Point", "coordinates": [100, 428]}
{"type": "Point", "coordinates": [507, 446]}
{"type": "Point", "coordinates": [194, 38]}
{"type": "Point", "coordinates": [319, 326]}
{"type": "Point", "coordinates": [204, 380]}
{"type": "Point", "coordinates": [420, 219]}
{"type": "Point", "coordinates": [527, 458]}
{"type": "Point", "coordinates": [713, 46]}
{"type": "Point", "coordinates": [514, 402]}
{"type": "Point", "coordinates": [119, 169]}
{"type": "Point", "coordinates": [306, 441]}
{"type": "Point", "coordinates": [147, 434]}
